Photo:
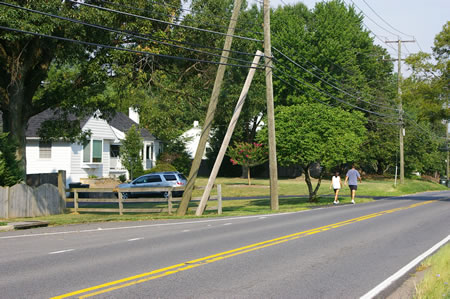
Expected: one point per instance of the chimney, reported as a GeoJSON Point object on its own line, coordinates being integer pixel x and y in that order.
{"type": "Point", "coordinates": [133, 114]}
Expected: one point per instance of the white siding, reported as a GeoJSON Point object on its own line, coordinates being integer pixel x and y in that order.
{"type": "Point", "coordinates": [60, 158]}
{"type": "Point", "coordinates": [99, 128]}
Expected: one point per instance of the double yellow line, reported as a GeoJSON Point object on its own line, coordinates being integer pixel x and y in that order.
{"type": "Point", "coordinates": [140, 278]}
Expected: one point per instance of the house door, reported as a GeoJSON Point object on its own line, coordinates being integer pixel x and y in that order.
{"type": "Point", "coordinates": [149, 156]}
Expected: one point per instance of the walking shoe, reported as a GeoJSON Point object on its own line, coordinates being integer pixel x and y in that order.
{"type": "Point", "coordinates": [335, 203]}
{"type": "Point", "coordinates": [353, 202]}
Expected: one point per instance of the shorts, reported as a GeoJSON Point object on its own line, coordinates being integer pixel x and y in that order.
{"type": "Point", "coordinates": [336, 189]}
{"type": "Point", "coordinates": [353, 187]}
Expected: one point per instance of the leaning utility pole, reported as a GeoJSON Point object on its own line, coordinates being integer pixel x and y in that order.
{"type": "Point", "coordinates": [211, 111]}
{"type": "Point", "coordinates": [270, 110]}
{"type": "Point", "coordinates": [400, 104]}
{"type": "Point", "coordinates": [226, 140]}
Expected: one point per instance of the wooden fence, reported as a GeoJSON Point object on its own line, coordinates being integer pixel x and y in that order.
{"type": "Point", "coordinates": [24, 201]}
{"type": "Point", "coordinates": [170, 200]}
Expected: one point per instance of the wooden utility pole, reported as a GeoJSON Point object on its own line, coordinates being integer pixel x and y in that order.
{"type": "Point", "coordinates": [270, 110]}
{"type": "Point", "coordinates": [229, 133]}
{"type": "Point", "coordinates": [400, 105]}
{"type": "Point", "coordinates": [211, 111]}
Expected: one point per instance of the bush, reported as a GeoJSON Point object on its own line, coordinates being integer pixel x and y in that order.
{"type": "Point", "coordinates": [122, 178]}
{"type": "Point", "coordinates": [10, 172]}
{"type": "Point", "coordinates": [161, 167]}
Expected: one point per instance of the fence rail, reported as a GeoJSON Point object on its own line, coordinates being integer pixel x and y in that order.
{"type": "Point", "coordinates": [170, 200]}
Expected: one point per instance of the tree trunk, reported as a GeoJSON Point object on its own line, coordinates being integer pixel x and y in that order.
{"type": "Point", "coordinates": [15, 122]}
{"type": "Point", "coordinates": [248, 176]}
{"type": "Point", "coordinates": [312, 193]}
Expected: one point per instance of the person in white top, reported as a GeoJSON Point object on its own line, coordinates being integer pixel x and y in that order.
{"type": "Point", "coordinates": [336, 184]}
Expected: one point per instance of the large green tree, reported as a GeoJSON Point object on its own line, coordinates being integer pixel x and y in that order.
{"type": "Point", "coordinates": [315, 133]}
{"type": "Point", "coordinates": [37, 72]}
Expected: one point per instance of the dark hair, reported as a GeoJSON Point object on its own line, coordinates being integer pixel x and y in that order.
{"type": "Point", "coordinates": [336, 173]}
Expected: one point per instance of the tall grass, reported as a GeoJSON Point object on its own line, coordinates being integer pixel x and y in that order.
{"type": "Point", "coordinates": [436, 283]}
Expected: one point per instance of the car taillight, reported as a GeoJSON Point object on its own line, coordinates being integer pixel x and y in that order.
{"type": "Point", "coordinates": [180, 183]}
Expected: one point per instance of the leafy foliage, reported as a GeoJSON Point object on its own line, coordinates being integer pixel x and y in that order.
{"type": "Point", "coordinates": [130, 152]}
{"type": "Point", "coordinates": [248, 155]}
{"type": "Point", "coordinates": [10, 172]}
{"type": "Point", "coordinates": [314, 133]}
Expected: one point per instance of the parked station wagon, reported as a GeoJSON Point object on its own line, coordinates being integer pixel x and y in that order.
{"type": "Point", "coordinates": [157, 179]}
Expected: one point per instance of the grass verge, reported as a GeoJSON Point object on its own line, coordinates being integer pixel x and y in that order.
{"type": "Point", "coordinates": [436, 283]}
{"type": "Point", "coordinates": [236, 187]}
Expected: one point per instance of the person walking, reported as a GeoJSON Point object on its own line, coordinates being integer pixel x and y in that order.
{"type": "Point", "coordinates": [352, 178]}
{"type": "Point", "coordinates": [336, 183]}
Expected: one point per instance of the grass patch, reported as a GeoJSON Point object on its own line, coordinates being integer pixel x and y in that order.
{"type": "Point", "coordinates": [436, 283]}
{"type": "Point", "coordinates": [236, 187]}
{"type": "Point", "coordinates": [3, 223]}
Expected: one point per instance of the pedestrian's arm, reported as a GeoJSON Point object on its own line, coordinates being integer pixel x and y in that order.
{"type": "Point", "coordinates": [346, 180]}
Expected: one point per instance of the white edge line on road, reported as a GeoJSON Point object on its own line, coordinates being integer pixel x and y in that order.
{"type": "Point", "coordinates": [135, 239]}
{"type": "Point", "coordinates": [375, 291]}
{"type": "Point", "coordinates": [149, 225]}
{"type": "Point", "coordinates": [61, 251]}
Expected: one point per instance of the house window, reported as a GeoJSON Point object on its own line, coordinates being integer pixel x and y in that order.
{"type": "Point", "coordinates": [92, 151]}
{"type": "Point", "coordinates": [114, 151]}
{"type": "Point", "coordinates": [45, 150]}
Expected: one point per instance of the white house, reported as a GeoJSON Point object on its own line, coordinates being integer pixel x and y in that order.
{"type": "Point", "coordinates": [100, 157]}
{"type": "Point", "coordinates": [191, 139]}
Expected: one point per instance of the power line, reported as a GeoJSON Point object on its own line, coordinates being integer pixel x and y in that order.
{"type": "Point", "coordinates": [394, 34]}
{"type": "Point", "coordinates": [332, 85]}
{"type": "Point", "coordinates": [129, 33]}
{"type": "Point", "coordinates": [123, 49]}
{"type": "Point", "coordinates": [164, 22]}
{"type": "Point", "coordinates": [385, 20]}
{"type": "Point", "coordinates": [332, 96]}
{"type": "Point", "coordinates": [168, 15]}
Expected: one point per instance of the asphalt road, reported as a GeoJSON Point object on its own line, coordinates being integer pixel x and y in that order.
{"type": "Point", "coordinates": [333, 252]}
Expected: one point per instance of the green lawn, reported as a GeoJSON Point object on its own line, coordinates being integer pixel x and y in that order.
{"type": "Point", "coordinates": [236, 187]}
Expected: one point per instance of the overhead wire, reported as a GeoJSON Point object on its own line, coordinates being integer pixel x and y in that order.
{"type": "Point", "coordinates": [385, 20]}
{"type": "Point", "coordinates": [180, 19]}
{"type": "Point", "coordinates": [332, 85]}
{"type": "Point", "coordinates": [129, 33]}
{"type": "Point", "coordinates": [124, 49]}
{"type": "Point", "coordinates": [165, 22]}
{"type": "Point", "coordinates": [332, 96]}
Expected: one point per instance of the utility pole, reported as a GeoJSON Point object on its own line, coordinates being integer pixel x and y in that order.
{"type": "Point", "coordinates": [181, 211]}
{"type": "Point", "coordinates": [229, 133]}
{"type": "Point", "coordinates": [400, 104]}
{"type": "Point", "coordinates": [274, 205]}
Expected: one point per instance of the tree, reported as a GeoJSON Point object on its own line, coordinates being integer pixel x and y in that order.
{"type": "Point", "coordinates": [130, 152]}
{"type": "Point", "coordinates": [426, 103]}
{"type": "Point", "coordinates": [315, 133]}
{"type": "Point", "coordinates": [37, 73]}
{"type": "Point", "coordinates": [10, 173]}
{"type": "Point", "coordinates": [248, 155]}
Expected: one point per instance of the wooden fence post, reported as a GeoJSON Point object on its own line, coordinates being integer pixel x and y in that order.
{"type": "Point", "coordinates": [169, 202]}
{"type": "Point", "coordinates": [62, 189]}
{"type": "Point", "coordinates": [75, 201]}
{"type": "Point", "coordinates": [219, 199]}
{"type": "Point", "coordinates": [120, 202]}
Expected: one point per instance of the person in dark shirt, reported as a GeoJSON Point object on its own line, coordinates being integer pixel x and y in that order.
{"type": "Point", "coordinates": [352, 178]}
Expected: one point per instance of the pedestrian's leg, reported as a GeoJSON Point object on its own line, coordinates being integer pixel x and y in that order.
{"type": "Point", "coordinates": [353, 195]}
{"type": "Point", "coordinates": [336, 199]}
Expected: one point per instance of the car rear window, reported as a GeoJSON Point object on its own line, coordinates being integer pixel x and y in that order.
{"type": "Point", "coordinates": [170, 177]}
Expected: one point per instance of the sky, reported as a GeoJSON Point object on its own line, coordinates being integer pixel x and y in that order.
{"type": "Point", "coordinates": [417, 19]}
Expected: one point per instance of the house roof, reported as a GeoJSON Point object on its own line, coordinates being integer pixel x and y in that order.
{"type": "Point", "coordinates": [123, 123]}
{"type": "Point", "coordinates": [120, 122]}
